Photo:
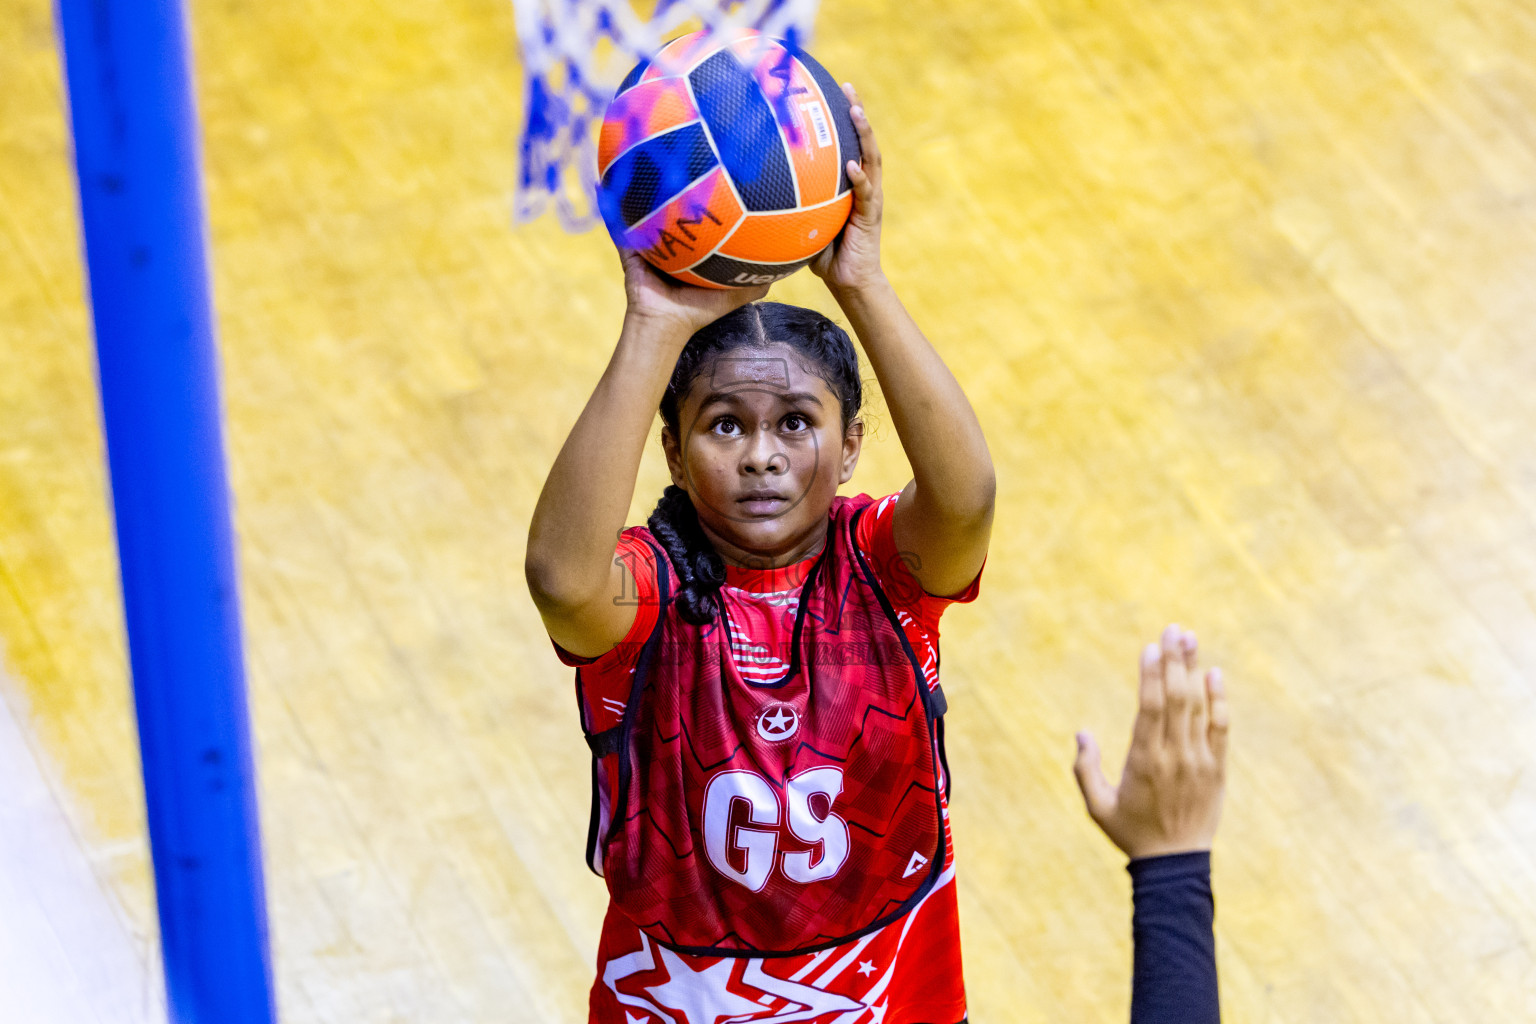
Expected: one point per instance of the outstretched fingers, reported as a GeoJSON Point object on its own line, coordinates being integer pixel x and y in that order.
{"type": "Point", "coordinates": [865, 174]}
{"type": "Point", "coordinates": [1220, 717]}
{"type": "Point", "coordinates": [1098, 794]}
{"type": "Point", "coordinates": [1189, 646]}
{"type": "Point", "coordinates": [1168, 799]}
{"type": "Point", "coordinates": [1178, 689]}
{"type": "Point", "coordinates": [1147, 733]}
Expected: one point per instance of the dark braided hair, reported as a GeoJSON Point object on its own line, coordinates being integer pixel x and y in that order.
{"type": "Point", "coordinates": [699, 568]}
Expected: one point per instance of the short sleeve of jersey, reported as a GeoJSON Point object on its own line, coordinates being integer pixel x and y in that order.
{"type": "Point", "coordinates": [875, 537]}
{"type": "Point", "coordinates": [604, 681]}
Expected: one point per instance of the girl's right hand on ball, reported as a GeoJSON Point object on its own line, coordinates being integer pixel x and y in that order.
{"type": "Point", "coordinates": [1169, 796]}
{"type": "Point", "coordinates": [681, 308]}
{"type": "Point", "coordinates": [852, 261]}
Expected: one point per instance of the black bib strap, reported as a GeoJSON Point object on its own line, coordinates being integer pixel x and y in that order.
{"type": "Point", "coordinates": [937, 702]}
{"type": "Point", "coordinates": [605, 742]}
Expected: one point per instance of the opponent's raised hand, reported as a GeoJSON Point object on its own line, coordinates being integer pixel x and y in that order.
{"type": "Point", "coordinates": [681, 308]}
{"type": "Point", "coordinates": [1169, 796]}
{"type": "Point", "coordinates": [853, 259]}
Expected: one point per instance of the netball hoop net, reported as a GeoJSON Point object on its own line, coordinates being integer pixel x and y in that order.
{"type": "Point", "coordinates": [575, 53]}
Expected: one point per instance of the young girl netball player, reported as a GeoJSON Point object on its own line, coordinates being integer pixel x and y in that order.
{"type": "Point", "coordinates": [758, 670]}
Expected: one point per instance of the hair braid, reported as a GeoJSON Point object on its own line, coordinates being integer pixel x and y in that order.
{"type": "Point", "coordinates": [700, 569]}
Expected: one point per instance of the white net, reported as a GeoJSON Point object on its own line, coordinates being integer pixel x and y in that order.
{"type": "Point", "coordinates": [575, 53]}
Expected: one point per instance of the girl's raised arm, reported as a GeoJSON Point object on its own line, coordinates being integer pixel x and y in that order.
{"type": "Point", "coordinates": [572, 573]}
{"type": "Point", "coordinates": [944, 517]}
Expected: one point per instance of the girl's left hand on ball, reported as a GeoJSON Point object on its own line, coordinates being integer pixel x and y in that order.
{"type": "Point", "coordinates": [853, 259]}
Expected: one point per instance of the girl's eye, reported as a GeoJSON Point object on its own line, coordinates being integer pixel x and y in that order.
{"type": "Point", "coordinates": [795, 422]}
{"type": "Point", "coordinates": [725, 426]}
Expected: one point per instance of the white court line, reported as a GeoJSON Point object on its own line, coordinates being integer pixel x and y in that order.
{"type": "Point", "coordinates": [67, 954]}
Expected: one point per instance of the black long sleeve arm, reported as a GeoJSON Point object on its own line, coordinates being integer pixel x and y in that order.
{"type": "Point", "coordinates": [1174, 979]}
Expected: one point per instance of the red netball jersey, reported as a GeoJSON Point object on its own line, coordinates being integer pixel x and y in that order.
{"type": "Point", "coordinates": [769, 794]}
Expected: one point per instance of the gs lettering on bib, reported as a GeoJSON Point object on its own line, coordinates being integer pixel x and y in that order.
{"type": "Point", "coordinates": [776, 815]}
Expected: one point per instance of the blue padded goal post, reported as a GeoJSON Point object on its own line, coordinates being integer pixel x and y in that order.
{"type": "Point", "coordinates": [136, 145]}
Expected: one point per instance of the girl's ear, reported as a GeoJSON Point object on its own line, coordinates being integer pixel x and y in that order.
{"type": "Point", "coordinates": [674, 454]}
{"type": "Point", "coordinates": [853, 443]}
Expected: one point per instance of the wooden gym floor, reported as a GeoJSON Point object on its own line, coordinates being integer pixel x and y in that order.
{"type": "Point", "coordinates": [1243, 293]}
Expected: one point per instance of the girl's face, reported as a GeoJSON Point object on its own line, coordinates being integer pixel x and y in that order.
{"type": "Point", "coordinates": [760, 448]}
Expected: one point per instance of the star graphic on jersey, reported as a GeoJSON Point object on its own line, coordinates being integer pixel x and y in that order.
{"type": "Point", "coordinates": [877, 1013]}
{"type": "Point", "coordinates": [630, 1018]}
{"type": "Point", "coordinates": [777, 722]}
{"type": "Point", "coordinates": [702, 997]}
{"type": "Point", "coordinates": [866, 967]}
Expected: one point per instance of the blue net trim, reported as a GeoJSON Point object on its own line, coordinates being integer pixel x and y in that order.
{"type": "Point", "coordinates": [567, 86]}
